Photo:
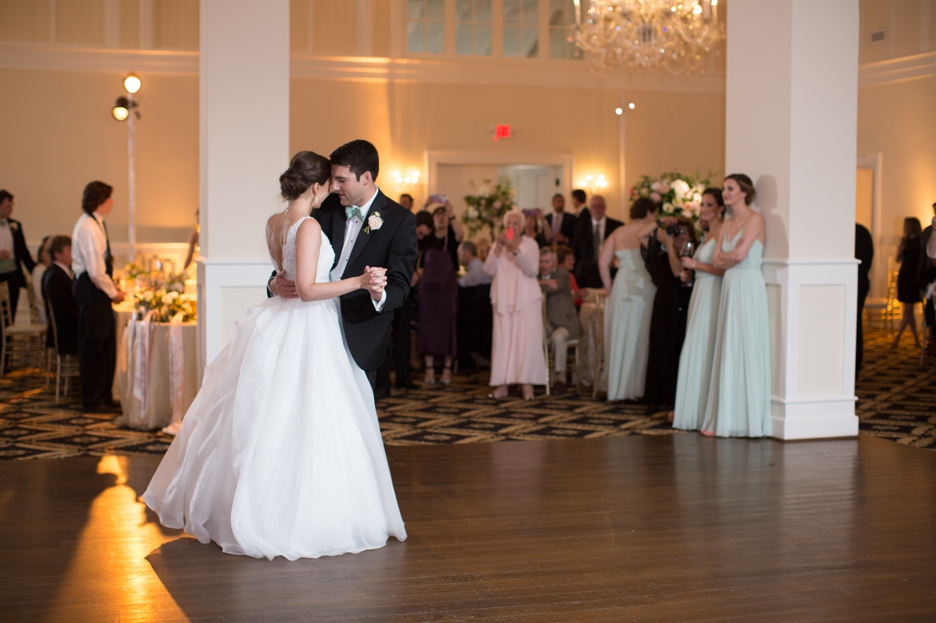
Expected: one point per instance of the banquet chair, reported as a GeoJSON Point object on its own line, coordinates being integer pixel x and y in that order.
{"type": "Point", "coordinates": [600, 298]}
{"type": "Point", "coordinates": [572, 362]}
{"type": "Point", "coordinates": [66, 366]}
{"type": "Point", "coordinates": [23, 343]}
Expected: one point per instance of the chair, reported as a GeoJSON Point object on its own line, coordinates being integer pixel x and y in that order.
{"type": "Point", "coordinates": [572, 345]}
{"type": "Point", "coordinates": [66, 366]}
{"type": "Point", "coordinates": [24, 343]}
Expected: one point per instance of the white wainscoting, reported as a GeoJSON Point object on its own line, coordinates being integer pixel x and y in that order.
{"type": "Point", "coordinates": [226, 290]}
{"type": "Point", "coordinates": [813, 307]}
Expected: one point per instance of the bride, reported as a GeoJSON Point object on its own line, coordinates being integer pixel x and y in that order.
{"type": "Point", "coordinates": [280, 454]}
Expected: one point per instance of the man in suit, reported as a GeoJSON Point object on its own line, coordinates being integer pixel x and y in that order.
{"type": "Point", "coordinates": [366, 229]}
{"type": "Point", "coordinates": [57, 284]}
{"type": "Point", "coordinates": [562, 224]}
{"type": "Point", "coordinates": [579, 203]}
{"type": "Point", "coordinates": [864, 251]}
{"type": "Point", "coordinates": [926, 274]}
{"type": "Point", "coordinates": [590, 234]}
{"type": "Point", "coordinates": [14, 255]}
{"type": "Point", "coordinates": [561, 315]}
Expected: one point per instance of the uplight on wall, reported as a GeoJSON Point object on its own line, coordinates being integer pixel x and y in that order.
{"type": "Point", "coordinates": [405, 181]}
{"type": "Point", "coordinates": [126, 109]}
{"type": "Point", "coordinates": [594, 184]}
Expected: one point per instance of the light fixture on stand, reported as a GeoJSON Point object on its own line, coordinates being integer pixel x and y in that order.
{"type": "Point", "coordinates": [672, 35]}
{"type": "Point", "coordinates": [126, 109]}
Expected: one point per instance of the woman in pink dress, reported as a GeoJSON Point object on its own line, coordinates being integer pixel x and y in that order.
{"type": "Point", "coordinates": [517, 345]}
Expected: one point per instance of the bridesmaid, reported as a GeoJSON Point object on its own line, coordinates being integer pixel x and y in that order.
{"type": "Point", "coordinates": [695, 362]}
{"type": "Point", "coordinates": [739, 394]}
{"type": "Point", "coordinates": [630, 298]}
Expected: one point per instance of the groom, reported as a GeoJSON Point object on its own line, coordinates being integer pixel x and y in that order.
{"type": "Point", "coordinates": [367, 230]}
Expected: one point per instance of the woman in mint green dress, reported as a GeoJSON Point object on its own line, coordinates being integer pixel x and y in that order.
{"type": "Point", "coordinates": [739, 394]}
{"type": "Point", "coordinates": [629, 303]}
{"type": "Point", "coordinates": [695, 361]}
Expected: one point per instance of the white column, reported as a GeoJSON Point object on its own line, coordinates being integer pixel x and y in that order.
{"type": "Point", "coordinates": [244, 147]}
{"type": "Point", "coordinates": [791, 124]}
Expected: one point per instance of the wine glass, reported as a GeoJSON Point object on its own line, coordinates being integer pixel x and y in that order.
{"type": "Point", "coordinates": [688, 248]}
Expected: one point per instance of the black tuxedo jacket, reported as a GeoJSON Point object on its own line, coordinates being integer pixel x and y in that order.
{"type": "Point", "coordinates": [566, 227]}
{"type": "Point", "coordinates": [583, 246]}
{"type": "Point", "coordinates": [57, 292]}
{"type": "Point", "coordinates": [21, 254]}
{"type": "Point", "coordinates": [393, 247]}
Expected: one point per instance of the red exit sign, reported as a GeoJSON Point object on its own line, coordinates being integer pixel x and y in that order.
{"type": "Point", "coordinates": [501, 131]}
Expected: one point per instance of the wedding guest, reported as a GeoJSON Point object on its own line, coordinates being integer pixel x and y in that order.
{"type": "Point", "coordinates": [739, 397]}
{"type": "Point", "coordinates": [630, 297]}
{"type": "Point", "coordinates": [566, 260]}
{"type": "Point", "coordinates": [14, 254]}
{"type": "Point", "coordinates": [95, 292]}
{"type": "Point", "coordinates": [474, 267]}
{"type": "Point", "coordinates": [517, 344]}
{"type": "Point", "coordinates": [438, 292]}
{"type": "Point", "coordinates": [406, 200]}
{"type": "Point", "coordinates": [864, 252]}
{"type": "Point", "coordinates": [926, 274]}
{"type": "Point", "coordinates": [695, 360]}
{"type": "Point", "coordinates": [474, 310]}
{"type": "Point", "coordinates": [57, 286]}
{"type": "Point", "coordinates": [590, 234]}
{"type": "Point", "coordinates": [35, 281]}
{"type": "Point", "coordinates": [484, 247]}
{"type": "Point", "coordinates": [424, 227]}
{"type": "Point", "coordinates": [908, 290]}
{"type": "Point", "coordinates": [192, 243]}
{"type": "Point", "coordinates": [662, 257]}
{"type": "Point", "coordinates": [561, 223]}
{"type": "Point", "coordinates": [535, 227]}
{"type": "Point", "coordinates": [561, 315]}
{"type": "Point", "coordinates": [580, 204]}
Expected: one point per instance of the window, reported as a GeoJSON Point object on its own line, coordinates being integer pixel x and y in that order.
{"type": "Point", "coordinates": [473, 27]}
{"type": "Point", "coordinates": [521, 34]}
{"type": "Point", "coordinates": [425, 31]}
{"type": "Point", "coordinates": [561, 16]}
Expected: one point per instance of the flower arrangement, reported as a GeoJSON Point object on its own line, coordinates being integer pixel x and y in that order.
{"type": "Point", "coordinates": [166, 304]}
{"type": "Point", "coordinates": [486, 208]}
{"type": "Point", "coordinates": [675, 193]}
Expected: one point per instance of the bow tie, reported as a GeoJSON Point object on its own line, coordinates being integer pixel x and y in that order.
{"type": "Point", "coordinates": [352, 211]}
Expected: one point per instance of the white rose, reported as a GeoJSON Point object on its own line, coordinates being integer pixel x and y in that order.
{"type": "Point", "coordinates": [678, 202]}
{"type": "Point", "coordinates": [171, 296]}
{"type": "Point", "coordinates": [681, 188]}
{"type": "Point", "coordinates": [472, 213]}
{"type": "Point", "coordinates": [148, 296]}
{"type": "Point", "coordinates": [668, 208]}
{"type": "Point", "coordinates": [696, 198]}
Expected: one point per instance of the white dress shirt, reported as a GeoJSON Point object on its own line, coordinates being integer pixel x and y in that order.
{"type": "Point", "coordinates": [601, 227]}
{"type": "Point", "coordinates": [353, 230]}
{"type": "Point", "coordinates": [6, 244]}
{"type": "Point", "coordinates": [475, 275]}
{"type": "Point", "coordinates": [89, 245]}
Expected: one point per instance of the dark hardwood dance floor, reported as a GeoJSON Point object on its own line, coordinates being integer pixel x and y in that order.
{"type": "Point", "coordinates": [640, 528]}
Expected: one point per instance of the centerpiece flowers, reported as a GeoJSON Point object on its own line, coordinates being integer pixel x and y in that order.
{"type": "Point", "coordinates": [676, 194]}
{"type": "Point", "coordinates": [165, 304]}
{"type": "Point", "coordinates": [487, 207]}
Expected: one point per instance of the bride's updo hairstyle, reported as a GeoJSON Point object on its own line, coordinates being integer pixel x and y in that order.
{"type": "Point", "coordinates": [305, 168]}
{"type": "Point", "coordinates": [746, 185]}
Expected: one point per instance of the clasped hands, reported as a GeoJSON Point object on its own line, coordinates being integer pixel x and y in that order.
{"type": "Point", "coordinates": [374, 280]}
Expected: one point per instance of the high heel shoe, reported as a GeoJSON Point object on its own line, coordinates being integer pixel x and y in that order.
{"type": "Point", "coordinates": [447, 370]}
{"type": "Point", "coordinates": [429, 379]}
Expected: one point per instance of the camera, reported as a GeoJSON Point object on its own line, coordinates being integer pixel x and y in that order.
{"type": "Point", "coordinates": [673, 230]}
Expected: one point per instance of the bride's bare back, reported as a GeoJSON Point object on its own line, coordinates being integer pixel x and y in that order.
{"type": "Point", "coordinates": [277, 226]}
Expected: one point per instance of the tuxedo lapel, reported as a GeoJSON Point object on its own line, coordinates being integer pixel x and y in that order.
{"type": "Point", "coordinates": [379, 205]}
{"type": "Point", "coordinates": [338, 225]}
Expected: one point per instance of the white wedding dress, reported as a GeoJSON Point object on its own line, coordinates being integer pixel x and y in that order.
{"type": "Point", "coordinates": [280, 454]}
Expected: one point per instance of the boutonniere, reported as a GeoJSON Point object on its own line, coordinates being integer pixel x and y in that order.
{"type": "Point", "coordinates": [374, 222]}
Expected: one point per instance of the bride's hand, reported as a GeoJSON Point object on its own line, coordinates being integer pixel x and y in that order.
{"type": "Point", "coordinates": [374, 279]}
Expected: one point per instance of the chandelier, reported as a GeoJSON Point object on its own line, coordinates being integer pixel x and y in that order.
{"type": "Point", "coordinates": [672, 35]}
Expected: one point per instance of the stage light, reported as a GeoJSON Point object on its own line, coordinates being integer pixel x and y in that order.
{"type": "Point", "coordinates": [132, 83]}
{"type": "Point", "coordinates": [631, 106]}
{"type": "Point", "coordinates": [121, 109]}
{"type": "Point", "coordinates": [619, 111]}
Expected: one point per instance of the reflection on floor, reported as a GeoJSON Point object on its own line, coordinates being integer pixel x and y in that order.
{"type": "Point", "coordinates": [638, 528]}
{"type": "Point", "coordinates": [897, 401]}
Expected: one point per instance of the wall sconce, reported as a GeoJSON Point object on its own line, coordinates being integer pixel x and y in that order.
{"type": "Point", "coordinates": [593, 184]}
{"type": "Point", "coordinates": [405, 182]}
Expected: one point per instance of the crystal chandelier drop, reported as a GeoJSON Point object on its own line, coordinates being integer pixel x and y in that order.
{"type": "Point", "coordinates": [672, 35]}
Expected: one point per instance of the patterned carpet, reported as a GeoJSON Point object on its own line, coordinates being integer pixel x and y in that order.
{"type": "Point", "coordinates": [897, 401]}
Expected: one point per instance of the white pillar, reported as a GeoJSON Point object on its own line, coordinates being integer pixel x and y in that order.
{"type": "Point", "coordinates": [791, 123]}
{"type": "Point", "coordinates": [244, 147]}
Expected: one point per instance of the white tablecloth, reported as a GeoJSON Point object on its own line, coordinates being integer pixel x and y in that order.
{"type": "Point", "coordinates": [145, 364]}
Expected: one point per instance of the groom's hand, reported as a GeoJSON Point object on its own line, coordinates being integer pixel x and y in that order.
{"type": "Point", "coordinates": [378, 281]}
{"type": "Point", "coordinates": [280, 286]}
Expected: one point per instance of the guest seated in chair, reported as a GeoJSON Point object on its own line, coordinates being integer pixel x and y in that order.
{"type": "Point", "coordinates": [474, 310]}
{"type": "Point", "coordinates": [57, 292]}
{"type": "Point", "coordinates": [566, 259]}
{"type": "Point", "coordinates": [561, 316]}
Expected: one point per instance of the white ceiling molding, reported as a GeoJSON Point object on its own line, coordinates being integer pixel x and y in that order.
{"type": "Point", "coordinates": [897, 70]}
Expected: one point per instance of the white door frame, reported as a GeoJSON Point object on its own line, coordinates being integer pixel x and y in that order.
{"type": "Point", "coordinates": [434, 158]}
{"type": "Point", "coordinates": [874, 162]}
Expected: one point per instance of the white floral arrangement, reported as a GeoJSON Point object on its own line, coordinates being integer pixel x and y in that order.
{"type": "Point", "coordinates": [487, 207]}
{"type": "Point", "coordinates": [165, 303]}
{"type": "Point", "coordinates": [676, 194]}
